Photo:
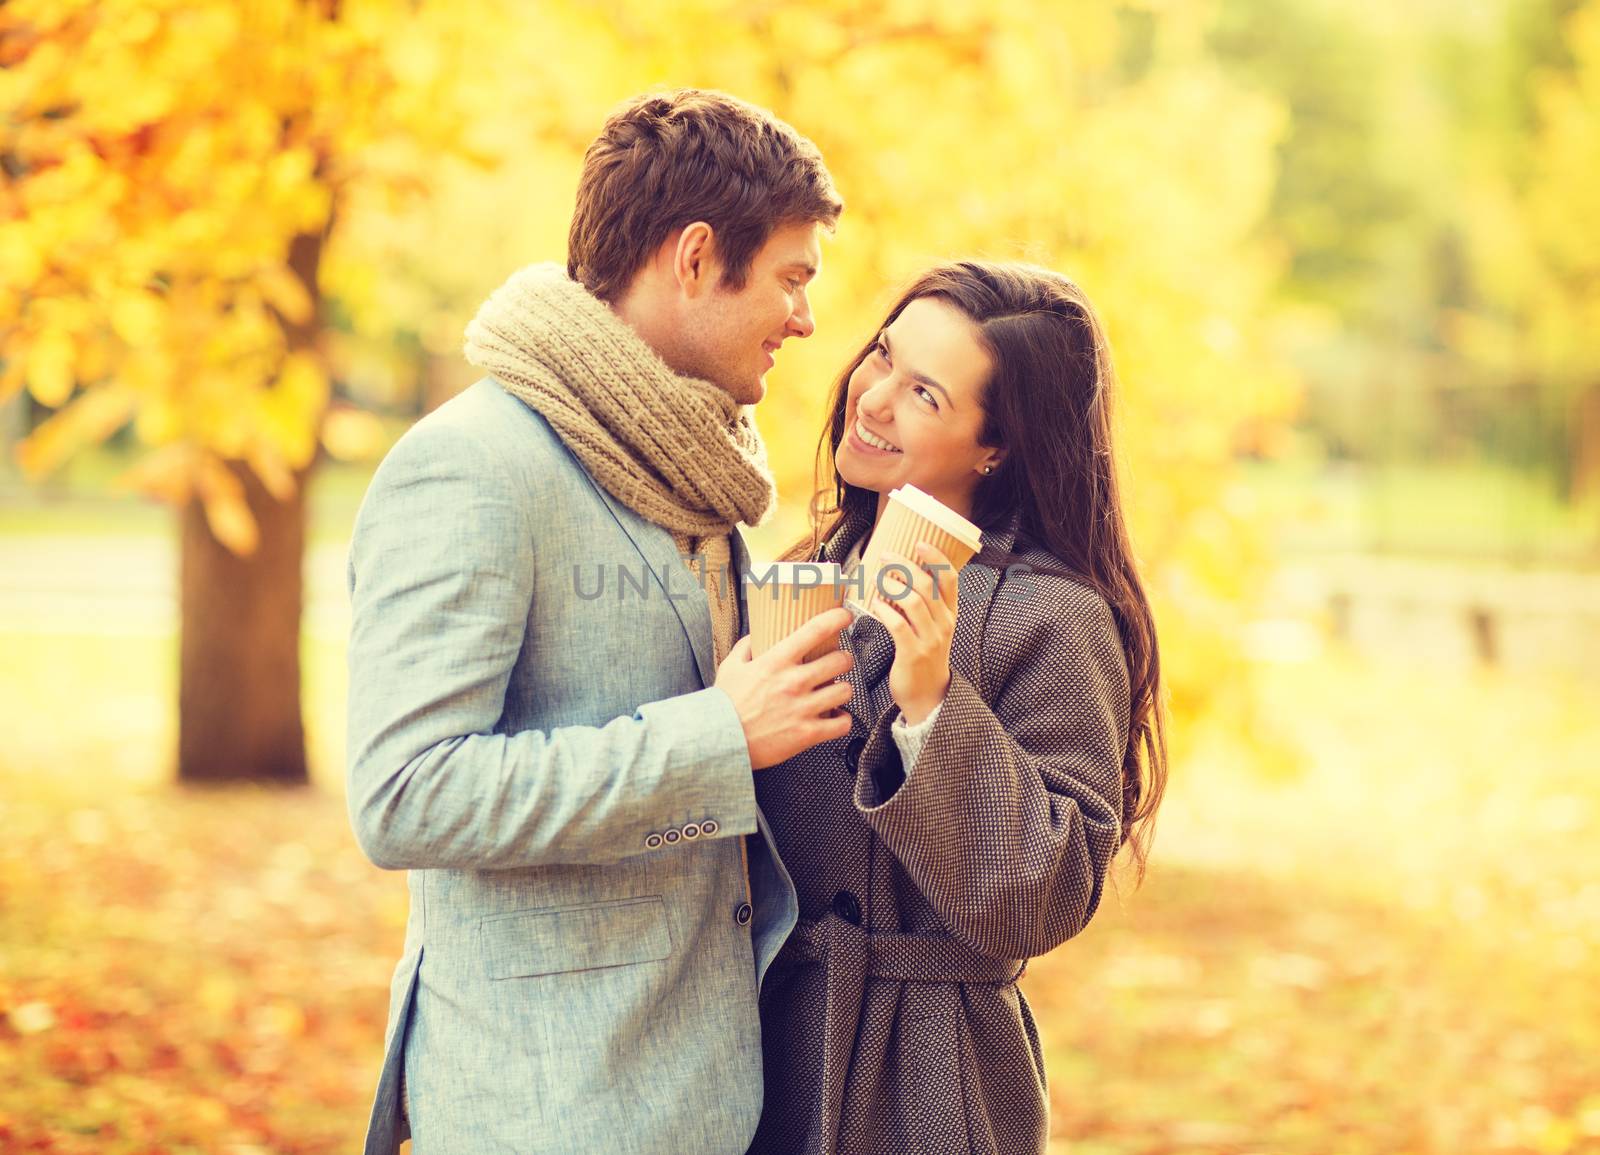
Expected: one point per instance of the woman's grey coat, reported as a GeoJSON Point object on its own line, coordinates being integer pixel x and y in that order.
{"type": "Point", "coordinates": [891, 1020]}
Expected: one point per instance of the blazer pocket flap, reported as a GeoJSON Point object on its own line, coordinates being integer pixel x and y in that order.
{"type": "Point", "coordinates": [525, 943]}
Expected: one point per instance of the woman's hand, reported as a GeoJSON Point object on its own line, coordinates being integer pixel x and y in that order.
{"type": "Point", "coordinates": [921, 618]}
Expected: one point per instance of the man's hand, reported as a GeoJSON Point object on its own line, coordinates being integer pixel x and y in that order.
{"type": "Point", "coordinates": [785, 703]}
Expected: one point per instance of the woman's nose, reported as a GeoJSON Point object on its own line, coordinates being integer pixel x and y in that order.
{"type": "Point", "coordinates": [876, 402]}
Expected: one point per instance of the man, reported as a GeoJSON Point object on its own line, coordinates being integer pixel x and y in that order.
{"type": "Point", "coordinates": [546, 727]}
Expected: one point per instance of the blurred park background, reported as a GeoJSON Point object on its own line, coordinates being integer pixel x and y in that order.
{"type": "Point", "coordinates": [1354, 296]}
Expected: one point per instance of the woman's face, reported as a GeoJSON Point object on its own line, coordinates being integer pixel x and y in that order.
{"type": "Point", "coordinates": [912, 411]}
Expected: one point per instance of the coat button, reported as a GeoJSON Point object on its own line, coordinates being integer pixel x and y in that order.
{"type": "Point", "coordinates": [690, 830]}
{"type": "Point", "coordinates": [672, 836]}
{"type": "Point", "coordinates": [852, 755]}
{"type": "Point", "coordinates": [742, 913]}
{"type": "Point", "coordinates": [846, 907]}
{"type": "Point", "coordinates": [652, 841]}
{"type": "Point", "coordinates": [709, 827]}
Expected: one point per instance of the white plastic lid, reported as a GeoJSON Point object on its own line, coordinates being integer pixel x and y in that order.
{"type": "Point", "coordinates": [811, 573]}
{"type": "Point", "coordinates": [940, 514]}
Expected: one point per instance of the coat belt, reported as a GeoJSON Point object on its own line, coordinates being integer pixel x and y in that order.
{"type": "Point", "coordinates": [911, 958]}
{"type": "Point", "coordinates": [852, 956]}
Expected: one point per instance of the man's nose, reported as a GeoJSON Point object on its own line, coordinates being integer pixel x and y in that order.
{"type": "Point", "coordinates": [800, 322]}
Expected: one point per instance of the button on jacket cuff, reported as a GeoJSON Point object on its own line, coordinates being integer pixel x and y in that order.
{"type": "Point", "coordinates": [711, 776]}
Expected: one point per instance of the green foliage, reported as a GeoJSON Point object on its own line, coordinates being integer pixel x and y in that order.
{"type": "Point", "coordinates": [1433, 203]}
{"type": "Point", "coordinates": [1339, 196]}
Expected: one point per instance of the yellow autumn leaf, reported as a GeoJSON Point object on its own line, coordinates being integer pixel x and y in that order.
{"type": "Point", "coordinates": [95, 358]}
{"type": "Point", "coordinates": [305, 381]}
{"type": "Point", "coordinates": [21, 262]}
{"type": "Point", "coordinates": [88, 420]}
{"type": "Point", "coordinates": [31, 1018]}
{"type": "Point", "coordinates": [289, 413]}
{"type": "Point", "coordinates": [269, 465]}
{"type": "Point", "coordinates": [218, 995]}
{"type": "Point", "coordinates": [167, 474]}
{"type": "Point", "coordinates": [309, 206]}
{"type": "Point", "coordinates": [207, 1112]}
{"type": "Point", "coordinates": [281, 1018]}
{"type": "Point", "coordinates": [137, 316]}
{"type": "Point", "coordinates": [284, 292]}
{"type": "Point", "coordinates": [227, 512]}
{"type": "Point", "coordinates": [158, 372]}
{"type": "Point", "coordinates": [159, 422]}
{"type": "Point", "coordinates": [49, 368]}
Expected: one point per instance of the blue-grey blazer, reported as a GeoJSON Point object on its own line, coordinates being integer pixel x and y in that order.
{"type": "Point", "coordinates": [534, 734]}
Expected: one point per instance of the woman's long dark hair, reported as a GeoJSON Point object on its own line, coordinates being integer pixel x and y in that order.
{"type": "Point", "coordinates": [1048, 403]}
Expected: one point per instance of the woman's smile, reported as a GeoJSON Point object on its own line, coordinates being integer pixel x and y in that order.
{"type": "Point", "coordinates": [864, 441]}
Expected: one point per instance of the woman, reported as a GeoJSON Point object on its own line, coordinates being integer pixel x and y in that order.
{"type": "Point", "coordinates": [1008, 737]}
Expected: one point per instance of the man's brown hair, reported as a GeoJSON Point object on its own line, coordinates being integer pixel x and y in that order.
{"type": "Point", "coordinates": [665, 161]}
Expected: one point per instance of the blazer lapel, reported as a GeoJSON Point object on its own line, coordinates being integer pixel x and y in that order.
{"type": "Point", "coordinates": [739, 562]}
{"type": "Point", "coordinates": [680, 587]}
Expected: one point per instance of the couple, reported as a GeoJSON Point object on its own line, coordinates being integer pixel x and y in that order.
{"type": "Point", "coordinates": [667, 897]}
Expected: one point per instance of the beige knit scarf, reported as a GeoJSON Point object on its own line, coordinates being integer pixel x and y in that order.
{"type": "Point", "coordinates": [677, 450]}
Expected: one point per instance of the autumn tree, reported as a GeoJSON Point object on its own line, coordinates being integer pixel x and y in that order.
{"type": "Point", "coordinates": [193, 203]}
{"type": "Point", "coordinates": [174, 175]}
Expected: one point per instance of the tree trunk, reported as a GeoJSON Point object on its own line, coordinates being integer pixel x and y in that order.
{"type": "Point", "coordinates": [239, 667]}
{"type": "Point", "coordinates": [239, 672]}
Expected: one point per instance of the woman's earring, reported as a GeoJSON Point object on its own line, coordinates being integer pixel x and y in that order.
{"type": "Point", "coordinates": [988, 469]}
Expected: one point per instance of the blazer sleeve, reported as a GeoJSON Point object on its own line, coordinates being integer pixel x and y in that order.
{"type": "Point", "coordinates": [1010, 817]}
{"type": "Point", "coordinates": [442, 564]}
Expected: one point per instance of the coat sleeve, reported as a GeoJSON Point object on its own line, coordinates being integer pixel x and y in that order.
{"type": "Point", "coordinates": [1010, 817]}
{"type": "Point", "coordinates": [442, 565]}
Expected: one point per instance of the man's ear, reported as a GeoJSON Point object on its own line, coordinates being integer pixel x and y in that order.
{"type": "Point", "coordinates": [694, 263]}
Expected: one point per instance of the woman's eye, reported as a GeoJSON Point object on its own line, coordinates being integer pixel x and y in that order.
{"type": "Point", "coordinates": [927, 396]}
{"type": "Point", "coordinates": [881, 350]}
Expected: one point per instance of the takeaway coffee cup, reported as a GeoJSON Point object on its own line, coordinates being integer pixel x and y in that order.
{"type": "Point", "coordinates": [910, 518]}
{"type": "Point", "coordinates": [780, 597]}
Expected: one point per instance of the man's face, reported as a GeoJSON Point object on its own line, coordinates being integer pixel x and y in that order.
{"type": "Point", "coordinates": [731, 337]}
